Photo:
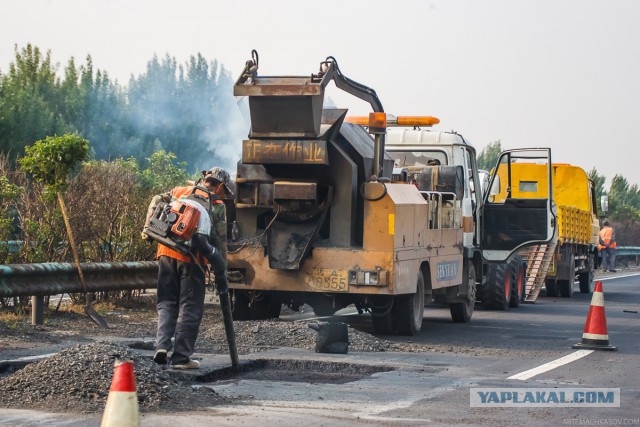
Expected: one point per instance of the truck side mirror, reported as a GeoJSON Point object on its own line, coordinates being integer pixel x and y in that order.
{"type": "Point", "coordinates": [495, 186]}
{"type": "Point", "coordinates": [604, 203]}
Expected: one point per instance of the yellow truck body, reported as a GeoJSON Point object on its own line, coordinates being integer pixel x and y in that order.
{"type": "Point", "coordinates": [574, 197]}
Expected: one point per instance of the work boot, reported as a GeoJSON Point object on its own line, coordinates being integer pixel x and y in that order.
{"type": "Point", "coordinates": [189, 364]}
{"type": "Point", "coordinates": [613, 270]}
{"type": "Point", "coordinates": [160, 357]}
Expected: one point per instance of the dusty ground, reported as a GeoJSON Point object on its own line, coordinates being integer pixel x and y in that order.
{"type": "Point", "coordinates": [137, 321]}
{"type": "Point", "coordinates": [77, 378]}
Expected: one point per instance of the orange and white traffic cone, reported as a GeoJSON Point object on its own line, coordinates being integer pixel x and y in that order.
{"type": "Point", "coordinates": [122, 403]}
{"type": "Point", "coordinates": [595, 335]}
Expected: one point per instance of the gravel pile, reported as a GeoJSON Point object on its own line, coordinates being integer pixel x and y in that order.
{"type": "Point", "coordinates": [78, 379]}
{"type": "Point", "coordinates": [254, 336]}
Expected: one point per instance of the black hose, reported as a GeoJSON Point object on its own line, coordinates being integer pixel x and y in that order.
{"type": "Point", "coordinates": [219, 267]}
{"type": "Point", "coordinates": [384, 193]}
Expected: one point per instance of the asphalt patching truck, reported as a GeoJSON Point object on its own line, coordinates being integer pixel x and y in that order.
{"type": "Point", "coordinates": [323, 220]}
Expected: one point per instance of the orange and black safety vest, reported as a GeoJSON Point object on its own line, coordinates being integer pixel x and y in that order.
{"type": "Point", "coordinates": [607, 239]}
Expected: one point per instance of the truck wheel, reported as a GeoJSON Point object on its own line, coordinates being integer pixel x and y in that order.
{"type": "Point", "coordinates": [240, 306]}
{"type": "Point", "coordinates": [518, 281]}
{"type": "Point", "coordinates": [586, 278]}
{"type": "Point", "coordinates": [497, 289]}
{"type": "Point", "coordinates": [586, 282]}
{"type": "Point", "coordinates": [382, 316]}
{"type": "Point", "coordinates": [264, 306]}
{"type": "Point", "coordinates": [551, 287]}
{"type": "Point", "coordinates": [409, 310]}
{"type": "Point", "coordinates": [322, 306]}
{"type": "Point", "coordinates": [566, 286]}
{"type": "Point", "coordinates": [461, 312]}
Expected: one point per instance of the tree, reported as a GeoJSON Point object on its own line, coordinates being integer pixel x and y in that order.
{"type": "Point", "coordinates": [598, 181]}
{"type": "Point", "coordinates": [29, 101]}
{"type": "Point", "coordinates": [51, 160]}
{"type": "Point", "coordinates": [489, 155]}
{"type": "Point", "coordinates": [163, 172]}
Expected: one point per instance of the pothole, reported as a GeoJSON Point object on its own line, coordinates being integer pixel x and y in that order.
{"type": "Point", "coordinates": [308, 371]}
{"type": "Point", "coordinates": [141, 345]}
{"type": "Point", "coordinates": [8, 367]}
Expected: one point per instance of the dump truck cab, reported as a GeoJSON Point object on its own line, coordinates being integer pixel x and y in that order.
{"type": "Point", "coordinates": [576, 252]}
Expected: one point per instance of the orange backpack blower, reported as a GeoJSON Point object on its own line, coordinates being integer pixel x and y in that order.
{"type": "Point", "coordinates": [173, 224]}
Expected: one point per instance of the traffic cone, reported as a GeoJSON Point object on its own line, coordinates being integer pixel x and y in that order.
{"type": "Point", "coordinates": [595, 335]}
{"type": "Point", "coordinates": [122, 403]}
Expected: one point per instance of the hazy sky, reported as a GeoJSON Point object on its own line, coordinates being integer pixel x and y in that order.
{"type": "Point", "coordinates": [559, 73]}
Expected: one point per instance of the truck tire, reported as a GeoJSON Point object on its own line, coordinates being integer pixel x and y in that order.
{"type": "Point", "coordinates": [586, 278]}
{"type": "Point", "coordinates": [586, 282]}
{"type": "Point", "coordinates": [496, 292]}
{"type": "Point", "coordinates": [265, 306]}
{"type": "Point", "coordinates": [240, 305]}
{"type": "Point", "coordinates": [518, 281]}
{"type": "Point", "coordinates": [461, 312]}
{"type": "Point", "coordinates": [322, 306]}
{"type": "Point", "coordinates": [382, 316]}
{"type": "Point", "coordinates": [565, 286]}
{"type": "Point", "coordinates": [409, 310]}
{"type": "Point", "coordinates": [552, 287]}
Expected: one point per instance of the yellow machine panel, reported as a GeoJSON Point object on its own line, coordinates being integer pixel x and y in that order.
{"type": "Point", "coordinates": [391, 223]}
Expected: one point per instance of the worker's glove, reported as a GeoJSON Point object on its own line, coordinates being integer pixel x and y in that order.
{"type": "Point", "coordinates": [145, 237]}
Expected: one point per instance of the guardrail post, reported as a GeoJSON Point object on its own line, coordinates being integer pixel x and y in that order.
{"type": "Point", "coordinates": [37, 310]}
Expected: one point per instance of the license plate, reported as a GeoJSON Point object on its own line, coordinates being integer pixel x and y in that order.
{"type": "Point", "coordinates": [327, 280]}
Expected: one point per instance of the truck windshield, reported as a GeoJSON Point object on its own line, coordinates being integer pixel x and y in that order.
{"type": "Point", "coordinates": [417, 158]}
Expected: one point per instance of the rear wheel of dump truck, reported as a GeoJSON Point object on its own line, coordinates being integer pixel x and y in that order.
{"type": "Point", "coordinates": [496, 292]}
{"type": "Point", "coordinates": [461, 312]}
{"type": "Point", "coordinates": [565, 286]}
{"type": "Point", "coordinates": [264, 306]}
{"type": "Point", "coordinates": [586, 278]}
{"type": "Point", "coordinates": [552, 287]}
{"type": "Point", "coordinates": [409, 310]}
{"type": "Point", "coordinates": [240, 305]}
{"type": "Point", "coordinates": [518, 280]}
{"type": "Point", "coordinates": [586, 282]}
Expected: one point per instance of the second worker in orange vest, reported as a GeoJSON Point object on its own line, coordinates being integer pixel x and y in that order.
{"type": "Point", "coordinates": [607, 246]}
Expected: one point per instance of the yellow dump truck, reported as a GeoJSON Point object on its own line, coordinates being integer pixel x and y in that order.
{"type": "Point", "coordinates": [574, 196]}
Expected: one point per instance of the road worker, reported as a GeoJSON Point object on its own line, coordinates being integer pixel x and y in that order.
{"type": "Point", "coordinates": [607, 247]}
{"type": "Point", "coordinates": [181, 283]}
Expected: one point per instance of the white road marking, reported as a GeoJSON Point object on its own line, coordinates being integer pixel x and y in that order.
{"type": "Point", "coordinates": [28, 358]}
{"type": "Point", "coordinates": [372, 415]}
{"type": "Point", "coordinates": [615, 277]}
{"type": "Point", "coordinates": [551, 365]}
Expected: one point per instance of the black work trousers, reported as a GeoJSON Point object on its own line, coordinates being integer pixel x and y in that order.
{"type": "Point", "coordinates": [180, 305]}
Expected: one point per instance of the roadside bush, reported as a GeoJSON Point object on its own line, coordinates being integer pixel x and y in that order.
{"type": "Point", "coordinates": [106, 203]}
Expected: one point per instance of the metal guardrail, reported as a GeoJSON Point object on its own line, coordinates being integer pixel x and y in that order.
{"type": "Point", "coordinates": [54, 278]}
{"type": "Point", "coordinates": [628, 251]}
{"type": "Point", "coordinates": [17, 280]}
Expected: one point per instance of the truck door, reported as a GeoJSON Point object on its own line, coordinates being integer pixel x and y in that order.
{"type": "Point", "coordinates": [517, 213]}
